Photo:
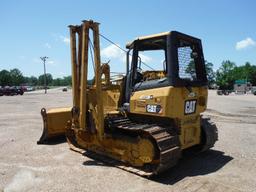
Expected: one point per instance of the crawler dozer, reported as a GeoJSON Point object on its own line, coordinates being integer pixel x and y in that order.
{"type": "Point", "coordinates": [143, 121]}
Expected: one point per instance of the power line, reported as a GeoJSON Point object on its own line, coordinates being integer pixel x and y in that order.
{"type": "Point", "coordinates": [107, 39]}
{"type": "Point", "coordinates": [44, 60]}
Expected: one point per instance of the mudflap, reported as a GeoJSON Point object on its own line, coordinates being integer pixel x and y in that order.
{"type": "Point", "coordinates": [54, 123]}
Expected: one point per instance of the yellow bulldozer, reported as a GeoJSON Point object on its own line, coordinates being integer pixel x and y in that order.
{"type": "Point", "coordinates": [144, 120]}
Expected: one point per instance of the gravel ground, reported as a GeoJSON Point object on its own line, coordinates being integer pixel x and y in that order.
{"type": "Point", "coordinates": [26, 166]}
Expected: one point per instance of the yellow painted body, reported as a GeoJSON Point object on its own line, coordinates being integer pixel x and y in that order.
{"type": "Point", "coordinates": [172, 101]}
{"type": "Point", "coordinates": [93, 104]}
{"type": "Point", "coordinates": [54, 122]}
{"type": "Point", "coordinates": [110, 97]}
{"type": "Point", "coordinates": [136, 151]}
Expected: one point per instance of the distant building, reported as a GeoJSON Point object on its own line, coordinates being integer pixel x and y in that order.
{"type": "Point", "coordinates": [242, 86]}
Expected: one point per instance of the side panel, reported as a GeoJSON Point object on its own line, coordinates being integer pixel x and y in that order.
{"type": "Point", "coordinates": [110, 98]}
{"type": "Point", "coordinates": [177, 103]}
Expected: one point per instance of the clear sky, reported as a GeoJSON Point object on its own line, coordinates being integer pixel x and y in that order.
{"type": "Point", "coordinates": [30, 29]}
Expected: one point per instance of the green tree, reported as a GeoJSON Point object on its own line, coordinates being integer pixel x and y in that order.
{"type": "Point", "coordinates": [252, 75]}
{"type": "Point", "coordinates": [246, 72]}
{"type": "Point", "coordinates": [65, 81]}
{"type": "Point", "coordinates": [32, 81]}
{"type": "Point", "coordinates": [190, 69]}
{"type": "Point", "coordinates": [209, 71]}
{"type": "Point", "coordinates": [49, 79]}
{"type": "Point", "coordinates": [57, 82]}
{"type": "Point", "coordinates": [16, 77]}
{"type": "Point", "coordinates": [5, 78]}
{"type": "Point", "coordinates": [225, 75]}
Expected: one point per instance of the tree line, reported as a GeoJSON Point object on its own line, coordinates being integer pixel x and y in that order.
{"type": "Point", "coordinates": [14, 77]}
{"type": "Point", "coordinates": [229, 72]}
{"type": "Point", "coordinates": [224, 77]}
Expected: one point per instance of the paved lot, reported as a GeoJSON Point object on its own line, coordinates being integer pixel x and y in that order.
{"type": "Point", "coordinates": [25, 166]}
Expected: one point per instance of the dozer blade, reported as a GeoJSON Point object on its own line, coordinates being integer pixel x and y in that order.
{"type": "Point", "coordinates": [54, 123]}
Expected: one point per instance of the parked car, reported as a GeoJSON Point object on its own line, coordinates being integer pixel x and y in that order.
{"type": "Point", "coordinates": [30, 88]}
{"type": "Point", "coordinates": [254, 90]}
{"type": "Point", "coordinates": [65, 89]}
{"type": "Point", "coordinates": [1, 91]}
{"type": "Point", "coordinates": [223, 92]}
{"type": "Point", "coordinates": [19, 90]}
{"type": "Point", "coordinates": [10, 91]}
{"type": "Point", "coordinates": [24, 88]}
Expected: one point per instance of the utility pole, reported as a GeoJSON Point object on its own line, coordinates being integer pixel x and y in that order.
{"type": "Point", "coordinates": [44, 60]}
